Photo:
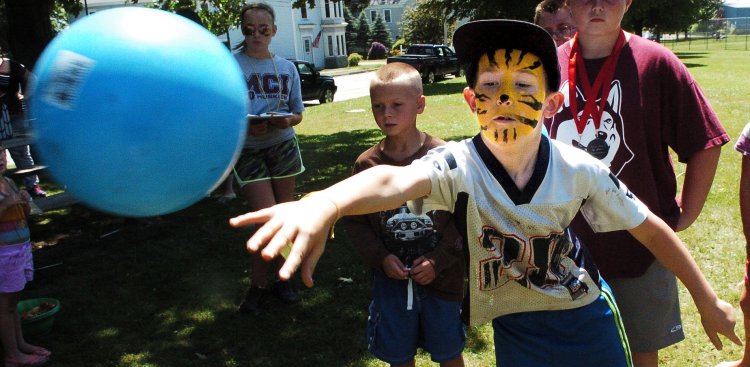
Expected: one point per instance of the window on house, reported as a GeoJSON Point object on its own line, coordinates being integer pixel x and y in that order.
{"type": "Point", "coordinates": [303, 11]}
{"type": "Point", "coordinates": [337, 12]}
{"type": "Point", "coordinates": [330, 46]}
{"type": "Point", "coordinates": [327, 7]}
{"type": "Point", "coordinates": [307, 46]}
{"type": "Point", "coordinates": [342, 51]}
{"type": "Point", "coordinates": [387, 15]}
{"type": "Point", "coordinates": [373, 15]}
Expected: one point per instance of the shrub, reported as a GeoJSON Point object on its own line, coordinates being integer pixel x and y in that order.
{"type": "Point", "coordinates": [354, 59]}
{"type": "Point", "coordinates": [399, 42]}
{"type": "Point", "coordinates": [377, 51]}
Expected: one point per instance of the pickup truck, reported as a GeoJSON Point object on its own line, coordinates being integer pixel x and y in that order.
{"type": "Point", "coordinates": [431, 61]}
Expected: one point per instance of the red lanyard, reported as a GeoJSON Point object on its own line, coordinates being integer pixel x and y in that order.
{"type": "Point", "coordinates": [602, 82]}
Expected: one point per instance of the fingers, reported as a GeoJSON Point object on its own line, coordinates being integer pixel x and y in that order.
{"type": "Point", "coordinates": [291, 265]}
{"type": "Point", "coordinates": [416, 264]}
{"type": "Point", "coordinates": [299, 257]}
{"type": "Point", "coordinates": [250, 218]}
{"type": "Point", "coordinates": [308, 266]}
{"type": "Point", "coordinates": [280, 241]}
{"type": "Point", "coordinates": [733, 337]}
{"type": "Point", "coordinates": [714, 337]}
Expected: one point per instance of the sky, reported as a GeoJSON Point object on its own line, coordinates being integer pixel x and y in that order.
{"type": "Point", "coordinates": [738, 3]}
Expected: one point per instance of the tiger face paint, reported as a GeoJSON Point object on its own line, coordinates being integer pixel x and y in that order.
{"type": "Point", "coordinates": [509, 94]}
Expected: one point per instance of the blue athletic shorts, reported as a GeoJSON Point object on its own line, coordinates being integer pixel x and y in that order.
{"type": "Point", "coordinates": [394, 332]}
{"type": "Point", "coordinates": [588, 336]}
{"type": "Point", "coordinates": [278, 161]}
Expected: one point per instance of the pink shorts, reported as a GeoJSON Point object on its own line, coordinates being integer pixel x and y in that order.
{"type": "Point", "coordinates": [16, 267]}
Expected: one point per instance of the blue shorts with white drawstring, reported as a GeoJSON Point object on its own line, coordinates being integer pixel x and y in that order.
{"type": "Point", "coordinates": [404, 316]}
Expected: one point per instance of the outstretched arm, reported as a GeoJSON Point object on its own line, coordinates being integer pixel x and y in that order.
{"type": "Point", "coordinates": [306, 222]}
{"type": "Point", "coordinates": [717, 316]}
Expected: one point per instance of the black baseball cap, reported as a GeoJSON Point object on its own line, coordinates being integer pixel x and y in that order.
{"type": "Point", "coordinates": [477, 38]}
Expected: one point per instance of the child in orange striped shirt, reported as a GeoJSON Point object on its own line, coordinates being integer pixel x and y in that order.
{"type": "Point", "coordinates": [16, 269]}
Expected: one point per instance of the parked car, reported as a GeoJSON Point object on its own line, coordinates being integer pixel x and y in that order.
{"type": "Point", "coordinates": [314, 84]}
{"type": "Point", "coordinates": [432, 61]}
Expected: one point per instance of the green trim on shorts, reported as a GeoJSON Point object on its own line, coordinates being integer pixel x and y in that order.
{"type": "Point", "coordinates": [607, 295]}
{"type": "Point", "coordinates": [242, 182]}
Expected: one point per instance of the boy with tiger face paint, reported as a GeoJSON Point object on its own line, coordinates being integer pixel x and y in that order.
{"type": "Point", "coordinates": [508, 95]}
{"type": "Point", "coordinates": [513, 192]}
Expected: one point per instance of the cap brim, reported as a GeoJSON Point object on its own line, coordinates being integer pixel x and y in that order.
{"type": "Point", "coordinates": [476, 38]}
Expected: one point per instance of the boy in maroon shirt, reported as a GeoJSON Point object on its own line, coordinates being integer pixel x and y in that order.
{"type": "Point", "coordinates": [627, 100]}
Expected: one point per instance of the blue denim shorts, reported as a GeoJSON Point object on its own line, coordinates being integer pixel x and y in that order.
{"type": "Point", "coordinates": [588, 336]}
{"type": "Point", "coordinates": [403, 319]}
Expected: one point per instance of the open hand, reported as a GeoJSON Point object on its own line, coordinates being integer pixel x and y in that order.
{"type": "Point", "coordinates": [304, 223]}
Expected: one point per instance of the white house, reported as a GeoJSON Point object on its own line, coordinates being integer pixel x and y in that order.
{"type": "Point", "coordinates": [391, 11]}
{"type": "Point", "coordinates": [314, 34]}
{"type": "Point", "coordinates": [92, 6]}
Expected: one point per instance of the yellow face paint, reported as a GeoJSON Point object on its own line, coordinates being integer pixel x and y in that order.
{"type": "Point", "coordinates": [509, 95]}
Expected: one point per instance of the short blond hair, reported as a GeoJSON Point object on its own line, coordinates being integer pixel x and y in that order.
{"type": "Point", "coordinates": [398, 73]}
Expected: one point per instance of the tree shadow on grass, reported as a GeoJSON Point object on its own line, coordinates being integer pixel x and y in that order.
{"type": "Point", "coordinates": [164, 291]}
{"type": "Point", "coordinates": [330, 158]}
{"type": "Point", "coordinates": [445, 87]}
{"type": "Point", "coordinates": [691, 55]}
{"type": "Point", "coordinates": [684, 55]}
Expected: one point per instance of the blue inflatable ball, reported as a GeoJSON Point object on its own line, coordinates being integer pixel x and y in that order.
{"type": "Point", "coordinates": [138, 112]}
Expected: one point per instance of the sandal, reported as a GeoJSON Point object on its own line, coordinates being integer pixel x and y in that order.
{"type": "Point", "coordinates": [34, 360]}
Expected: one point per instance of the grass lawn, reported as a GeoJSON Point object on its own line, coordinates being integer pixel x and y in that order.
{"type": "Point", "coordinates": [163, 291]}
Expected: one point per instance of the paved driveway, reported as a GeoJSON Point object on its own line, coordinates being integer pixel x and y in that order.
{"type": "Point", "coordinates": [352, 86]}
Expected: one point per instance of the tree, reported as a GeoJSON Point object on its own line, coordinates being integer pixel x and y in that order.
{"type": "Point", "coordinates": [27, 25]}
{"type": "Point", "coordinates": [483, 9]}
{"type": "Point", "coordinates": [362, 40]}
{"type": "Point", "coordinates": [351, 31]}
{"type": "Point", "coordinates": [218, 16]}
{"type": "Point", "coordinates": [662, 15]}
{"type": "Point", "coordinates": [356, 6]}
{"type": "Point", "coordinates": [668, 15]}
{"type": "Point", "coordinates": [425, 25]}
{"type": "Point", "coordinates": [380, 33]}
{"type": "Point", "coordinates": [29, 28]}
